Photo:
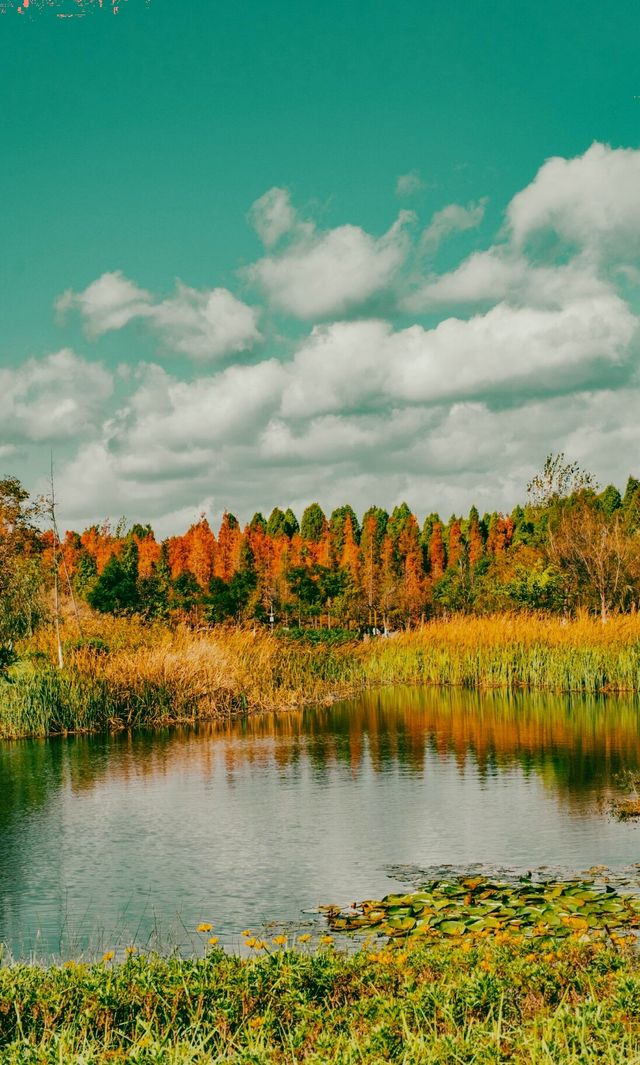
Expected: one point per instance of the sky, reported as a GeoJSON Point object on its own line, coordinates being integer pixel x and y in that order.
{"type": "Point", "coordinates": [261, 254]}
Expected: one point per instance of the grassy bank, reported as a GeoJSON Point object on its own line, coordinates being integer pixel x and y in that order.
{"type": "Point", "coordinates": [443, 1003]}
{"type": "Point", "coordinates": [124, 674]}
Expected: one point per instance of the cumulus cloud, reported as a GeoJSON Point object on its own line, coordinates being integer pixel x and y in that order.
{"type": "Point", "coordinates": [502, 274]}
{"type": "Point", "coordinates": [348, 365]}
{"type": "Point", "coordinates": [318, 274]}
{"type": "Point", "coordinates": [204, 325]}
{"type": "Point", "coordinates": [532, 348]}
{"type": "Point", "coordinates": [51, 398]}
{"type": "Point", "coordinates": [591, 200]}
{"type": "Point", "coordinates": [452, 219]}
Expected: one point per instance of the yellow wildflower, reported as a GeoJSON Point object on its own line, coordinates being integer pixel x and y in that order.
{"type": "Point", "coordinates": [304, 938]}
{"type": "Point", "coordinates": [326, 940]}
{"type": "Point", "coordinates": [256, 1022]}
{"type": "Point", "coordinates": [109, 955]}
{"type": "Point", "coordinates": [204, 927]}
{"type": "Point", "coordinates": [212, 941]}
{"type": "Point", "coordinates": [279, 940]}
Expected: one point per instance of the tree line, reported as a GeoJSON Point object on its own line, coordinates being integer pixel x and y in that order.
{"type": "Point", "coordinates": [568, 546]}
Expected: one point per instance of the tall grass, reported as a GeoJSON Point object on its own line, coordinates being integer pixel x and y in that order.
{"type": "Point", "coordinates": [429, 1005]}
{"type": "Point", "coordinates": [125, 674]}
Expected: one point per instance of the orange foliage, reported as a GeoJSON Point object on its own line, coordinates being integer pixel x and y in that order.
{"type": "Point", "coordinates": [148, 554]}
{"type": "Point", "coordinates": [436, 552]}
{"type": "Point", "coordinates": [227, 560]}
{"type": "Point", "coordinates": [201, 551]}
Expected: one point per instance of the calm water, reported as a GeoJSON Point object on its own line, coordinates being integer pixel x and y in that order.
{"type": "Point", "coordinates": [109, 838]}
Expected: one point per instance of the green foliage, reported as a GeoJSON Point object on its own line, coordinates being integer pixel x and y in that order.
{"type": "Point", "coordinates": [115, 590]}
{"type": "Point", "coordinates": [610, 500]}
{"type": "Point", "coordinates": [230, 600]}
{"type": "Point", "coordinates": [8, 657]}
{"type": "Point", "coordinates": [400, 515]}
{"type": "Point", "coordinates": [537, 588]}
{"type": "Point", "coordinates": [424, 1004]}
{"type": "Point", "coordinates": [291, 526]}
{"type": "Point", "coordinates": [474, 906]}
{"type": "Point", "coordinates": [337, 523]}
{"type": "Point", "coordinates": [314, 524]}
{"type": "Point", "coordinates": [22, 605]}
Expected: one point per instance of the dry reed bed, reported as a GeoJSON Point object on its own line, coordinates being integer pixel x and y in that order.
{"type": "Point", "coordinates": [124, 673]}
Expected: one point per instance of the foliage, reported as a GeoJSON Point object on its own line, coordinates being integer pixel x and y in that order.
{"type": "Point", "coordinates": [474, 906]}
{"type": "Point", "coordinates": [22, 604]}
{"type": "Point", "coordinates": [568, 549]}
{"type": "Point", "coordinates": [127, 673]}
{"type": "Point", "coordinates": [570, 1003]}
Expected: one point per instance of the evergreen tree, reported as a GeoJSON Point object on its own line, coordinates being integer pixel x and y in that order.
{"type": "Point", "coordinates": [115, 590]}
{"type": "Point", "coordinates": [314, 524]}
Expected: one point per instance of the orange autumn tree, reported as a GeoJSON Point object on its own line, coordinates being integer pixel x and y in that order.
{"type": "Point", "coordinates": [227, 560]}
{"type": "Point", "coordinates": [412, 584]}
{"type": "Point", "coordinates": [201, 552]}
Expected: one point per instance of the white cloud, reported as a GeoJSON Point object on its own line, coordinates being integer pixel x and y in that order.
{"type": "Point", "coordinates": [321, 274]}
{"type": "Point", "coordinates": [541, 355]}
{"type": "Point", "coordinates": [109, 303]}
{"type": "Point", "coordinates": [409, 184]}
{"type": "Point", "coordinates": [349, 365]}
{"type": "Point", "coordinates": [205, 325]}
{"type": "Point", "coordinates": [452, 219]}
{"type": "Point", "coordinates": [502, 274]}
{"type": "Point", "coordinates": [273, 215]}
{"type": "Point", "coordinates": [592, 200]}
{"type": "Point", "coordinates": [52, 398]}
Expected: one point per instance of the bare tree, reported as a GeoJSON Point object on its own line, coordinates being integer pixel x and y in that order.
{"type": "Point", "coordinates": [597, 555]}
{"type": "Point", "coordinates": [557, 480]}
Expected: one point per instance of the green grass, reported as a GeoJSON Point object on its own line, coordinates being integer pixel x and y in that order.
{"type": "Point", "coordinates": [441, 1004]}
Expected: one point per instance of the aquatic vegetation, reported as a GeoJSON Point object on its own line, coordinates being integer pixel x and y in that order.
{"type": "Point", "coordinates": [139, 674]}
{"type": "Point", "coordinates": [478, 907]}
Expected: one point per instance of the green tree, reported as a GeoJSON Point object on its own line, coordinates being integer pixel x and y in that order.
{"type": "Point", "coordinates": [22, 603]}
{"type": "Point", "coordinates": [314, 524]}
{"type": "Point", "coordinates": [336, 527]}
{"type": "Point", "coordinates": [277, 523]}
{"type": "Point", "coordinates": [115, 591]}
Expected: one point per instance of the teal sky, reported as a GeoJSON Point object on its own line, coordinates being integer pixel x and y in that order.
{"type": "Point", "coordinates": [135, 144]}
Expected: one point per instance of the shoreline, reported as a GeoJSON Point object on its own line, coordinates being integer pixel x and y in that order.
{"type": "Point", "coordinates": [123, 674]}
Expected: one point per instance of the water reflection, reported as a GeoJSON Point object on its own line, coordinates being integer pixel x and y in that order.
{"type": "Point", "coordinates": [263, 816]}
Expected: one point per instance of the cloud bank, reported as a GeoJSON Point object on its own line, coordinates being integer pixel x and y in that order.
{"type": "Point", "coordinates": [530, 346]}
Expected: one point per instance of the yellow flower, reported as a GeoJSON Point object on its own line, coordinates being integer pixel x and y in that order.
{"type": "Point", "coordinates": [131, 950]}
{"type": "Point", "coordinates": [109, 955]}
{"type": "Point", "coordinates": [484, 964]}
{"type": "Point", "coordinates": [326, 940]}
{"type": "Point", "coordinates": [212, 941]}
{"type": "Point", "coordinates": [530, 957]}
{"type": "Point", "coordinates": [246, 932]}
{"type": "Point", "coordinates": [279, 940]}
{"type": "Point", "coordinates": [304, 938]}
{"type": "Point", "coordinates": [256, 1022]}
{"type": "Point", "coordinates": [204, 927]}
{"type": "Point", "coordinates": [259, 944]}
{"type": "Point", "coordinates": [250, 942]}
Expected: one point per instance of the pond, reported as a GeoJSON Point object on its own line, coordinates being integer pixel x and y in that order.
{"type": "Point", "coordinates": [108, 839]}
